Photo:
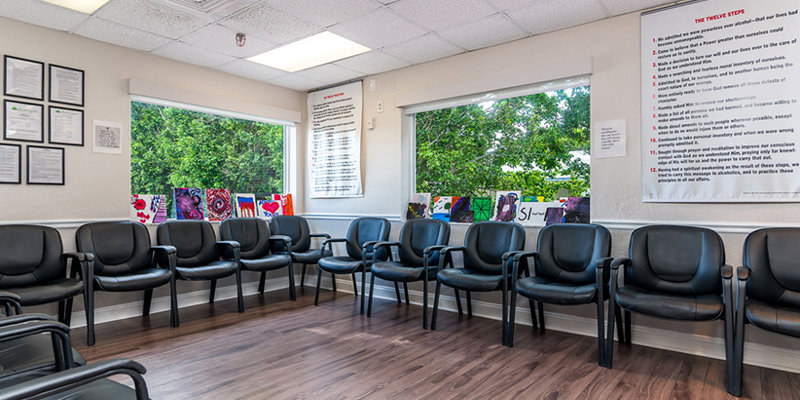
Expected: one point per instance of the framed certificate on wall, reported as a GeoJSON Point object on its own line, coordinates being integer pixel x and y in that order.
{"type": "Point", "coordinates": [23, 121]}
{"type": "Point", "coordinates": [23, 78]}
{"type": "Point", "coordinates": [45, 165]}
{"type": "Point", "coordinates": [66, 85]}
{"type": "Point", "coordinates": [10, 163]}
{"type": "Point", "coordinates": [65, 126]}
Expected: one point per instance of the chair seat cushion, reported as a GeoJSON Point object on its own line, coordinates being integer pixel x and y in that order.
{"type": "Point", "coordinates": [776, 319]}
{"type": "Point", "coordinates": [97, 390]}
{"type": "Point", "coordinates": [29, 357]}
{"type": "Point", "coordinates": [461, 278]}
{"type": "Point", "coordinates": [340, 265]}
{"type": "Point", "coordinates": [310, 256]}
{"type": "Point", "coordinates": [142, 279]}
{"type": "Point", "coordinates": [670, 306]}
{"type": "Point", "coordinates": [48, 292]}
{"type": "Point", "coordinates": [213, 270]}
{"type": "Point", "coordinates": [399, 272]}
{"type": "Point", "coordinates": [268, 263]}
{"type": "Point", "coordinates": [551, 292]}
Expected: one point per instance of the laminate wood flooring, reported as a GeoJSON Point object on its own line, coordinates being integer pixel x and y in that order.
{"type": "Point", "coordinates": [279, 349]}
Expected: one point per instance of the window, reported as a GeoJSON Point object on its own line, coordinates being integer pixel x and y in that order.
{"type": "Point", "coordinates": [538, 143]}
{"type": "Point", "coordinates": [175, 147]}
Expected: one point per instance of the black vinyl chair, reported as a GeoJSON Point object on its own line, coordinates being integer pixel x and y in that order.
{"type": "Point", "coordinates": [570, 267]}
{"type": "Point", "coordinates": [33, 267]}
{"type": "Point", "coordinates": [675, 273]}
{"type": "Point", "coordinates": [297, 228]}
{"type": "Point", "coordinates": [362, 235]}
{"type": "Point", "coordinates": [418, 251]}
{"type": "Point", "coordinates": [198, 254]}
{"type": "Point", "coordinates": [487, 249]}
{"type": "Point", "coordinates": [255, 255]}
{"type": "Point", "coordinates": [124, 261]}
{"type": "Point", "coordinates": [768, 290]}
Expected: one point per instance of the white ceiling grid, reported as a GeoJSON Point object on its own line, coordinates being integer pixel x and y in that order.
{"type": "Point", "coordinates": [400, 32]}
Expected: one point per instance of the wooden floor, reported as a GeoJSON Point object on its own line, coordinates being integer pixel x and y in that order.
{"type": "Point", "coordinates": [279, 349]}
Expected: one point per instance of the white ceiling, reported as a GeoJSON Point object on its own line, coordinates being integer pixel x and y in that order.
{"type": "Point", "coordinates": [400, 32]}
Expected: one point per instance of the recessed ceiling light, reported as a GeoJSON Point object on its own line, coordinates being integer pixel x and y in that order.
{"type": "Point", "coordinates": [319, 49]}
{"type": "Point", "coordinates": [84, 6]}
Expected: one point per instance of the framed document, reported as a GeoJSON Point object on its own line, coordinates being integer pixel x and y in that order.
{"type": "Point", "coordinates": [45, 165]}
{"type": "Point", "coordinates": [23, 78]}
{"type": "Point", "coordinates": [66, 126]}
{"type": "Point", "coordinates": [10, 163]}
{"type": "Point", "coordinates": [23, 121]}
{"type": "Point", "coordinates": [66, 85]}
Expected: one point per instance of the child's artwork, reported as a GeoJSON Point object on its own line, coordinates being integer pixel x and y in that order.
{"type": "Point", "coordinates": [554, 215]}
{"type": "Point", "coordinates": [188, 203]}
{"type": "Point", "coordinates": [577, 210]}
{"type": "Point", "coordinates": [268, 208]}
{"type": "Point", "coordinates": [441, 207]}
{"type": "Point", "coordinates": [287, 208]}
{"type": "Point", "coordinates": [532, 213]}
{"type": "Point", "coordinates": [460, 212]}
{"type": "Point", "coordinates": [533, 199]}
{"type": "Point", "coordinates": [418, 207]}
{"type": "Point", "coordinates": [245, 205]}
{"type": "Point", "coordinates": [148, 208]}
{"type": "Point", "coordinates": [481, 208]}
{"type": "Point", "coordinates": [506, 205]}
{"type": "Point", "coordinates": [219, 205]}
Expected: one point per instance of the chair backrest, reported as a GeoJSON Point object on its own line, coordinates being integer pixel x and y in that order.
{"type": "Point", "coordinates": [251, 233]}
{"type": "Point", "coordinates": [676, 259]}
{"type": "Point", "coordinates": [30, 254]}
{"type": "Point", "coordinates": [194, 241]}
{"type": "Point", "coordinates": [119, 248]}
{"type": "Point", "coordinates": [773, 256]}
{"type": "Point", "coordinates": [367, 229]}
{"type": "Point", "coordinates": [416, 235]}
{"type": "Point", "coordinates": [568, 253]}
{"type": "Point", "coordinates": [487, 241]}
{"type": "Point", "coordinates": [293, 226]}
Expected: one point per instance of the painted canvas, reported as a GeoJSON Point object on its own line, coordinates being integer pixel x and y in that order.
{"type": "Point", "coordinates": [245, 205]}
{"type": "Point", "coordinates": [577, 210]}
{"type": "Point", "coordinates": [268, 208]}
{"type": "Point", "coordinates": [418, 206]}
{"type": "Point", "coordinates": [482, 209]}
{"type": "Point", "coordinates": [532, 199]}
{"type": "Point", "coordinates": [285, 200]}
{"type": "Point", "coordinates": [148, 208]}
{"type": "Point", "coordinates": [188, 203]}
{"type": "Point", "coordinates": [506, 204]}
{"type": "Point", "coordinates": [219, 204]}
{"type": "Point", "coordinates": [461, 212]}
{"type": "Point", "coordinates": [161, 212]}
{"type": "Point", "coordinates": [554, 215]}
{"type": "Point", "coordinates": [441, 207]}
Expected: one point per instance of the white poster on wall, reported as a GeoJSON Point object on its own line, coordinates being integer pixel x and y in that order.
{"type": "Point", "coordinates": [610, 139]}
{"type": "Point", "coordinates": [107, 137]}
{"type": "Point", "coordinates": [720, 110]}
{"type": "Point", "coordinates": [334, 133]}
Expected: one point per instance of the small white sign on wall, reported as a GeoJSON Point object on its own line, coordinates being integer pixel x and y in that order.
{"type": "Point", "coordinates": [107, 137]}
{"type": "Point", "coordinates": [609, 139]}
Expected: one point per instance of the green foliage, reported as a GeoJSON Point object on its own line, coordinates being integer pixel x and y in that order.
{"type": "Point", "coordinates": [171, 147]}
{"type": "Point", "coordinates": [516, 143]}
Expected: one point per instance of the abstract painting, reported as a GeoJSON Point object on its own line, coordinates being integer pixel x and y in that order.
{"type": "Point", "coordinates": [554, 215]}
{"type": "Point", "coordinates": [148, 208]}
{"type": "Point", "coordinates": [481, 208]}
{"type": "Point", "coordinates": [245, 205]}
{"type": "Point", "coordinates": [461, 212]}
{"type": "Point", "coordinates": [532, 199]}
{"type": "Point", "coordinates": [577, 210]}
{"type": "Point", "coordinates": [418, 206]}
{"type": "Point", "coordinates": [219, 204]}
{"type": "Point", "coordinates": [287, 206]}
{"type": "Point", "coordinates": [441, 207]}
{"type": "Point", "coordinates": [188, 203]}
{"type": "Point", "coordinates": [506, 205]}
{"type": "Point", "coordinates": [268, 208]}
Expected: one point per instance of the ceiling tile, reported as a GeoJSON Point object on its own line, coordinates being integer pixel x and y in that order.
{"type": "Point", "coordinates": [550, 15]}
{"type": "Point", "coordinates": [40, 13]}
{"type": "Point", "coordinates": [617, 7]}
{"type": "Point", "coordinates": [372, 62]}
{"type": "Point", "coordinates": [251, 70]}
{"type": "Point", "coordinates": [484, 33]}
{"type": "Point", "coordinates": [378, 29]}
{"type": "Point", "coordinates": [223, 40]}
{"type": "Point", "coordinates": [437, 14]}
{"type": "Point", "coordinates": [150, 17]}
{"type": "Point", "coordinates": [329, 74]}
{"type": "Point", "coordinates": [270, 24]}
{"type": "Point", "coordinates": [422, 49]}
{"type": "Point", "coordinates": [293, 81]}
{"type": "Point", "coordinates": [327, 12]}
{"type": "Point", "coordinates": [120, 35]}
{"type": "Point", "coordinates": [505, 5]}
{"type": "Point", "coordinates": [192, 55]}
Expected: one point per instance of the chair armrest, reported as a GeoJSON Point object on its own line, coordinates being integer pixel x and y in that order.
{"type": "Point", "coordinates": [431, 249]}
{"type": "Point", "coordinates": [446, 255]}
{"type": "Point", "coordinates": [226, 248]}
{"type": "Point", "coordinates": [325, 235]}
{"type": "Point", "coordinates": [59, 331]}
{"type": "Point", "coordinates": [58, 382]}
{"type": "Point", "coordinates": [18, 319]}
{"type": "Point", "coordinates": [370, 243]}
{"type": "Point", "coordinates": [329, 242]}
{"type": "Point", "coordinates": [165, 256]}
{"type": "Point", "coordinates": [450, 249]}
{"type": "Point", "coordinates": [743, 273]}
{"type": "Point", "coordinates": [283, 238]}
{"type": "Point", "coordinates": [84, 259]}
{"type": "Point", "coordinates": [78, 256]}
{"type": "Point", "coordinates": [11, 301]}
{"type": "Point", "coordinates": [726, 271]}
{"type": "Point", "coordinates": [604, 262]}
{"type": "Point", "coordinates": [620, 261]}
{"type": "Point", "coordinates": [386, 244]}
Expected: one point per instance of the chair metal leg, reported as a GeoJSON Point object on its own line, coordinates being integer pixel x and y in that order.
{"type": "Point", "coordinates": [397, 293]}
{"type": "Point", "coordinates": [469, 303]}
{"type": "Point", "coordinates": [540, 306]}
{"type": "Point", "coordinates": [363, 288]}
{"type": "Point", "coordinates": [333, 281]}
{"type": "Point", "coordinates": [458, 303]}
{"type": "Point", "coordinates": [239, 295]}
{"type": "Point", "coordinates": [612, 320]}
{"type": "Point", "coordinates": [303, 276]}
{"type": "Point", "coordinates": [262, 282]}
{"type": "Point", "coordinates": [292, 289]}
{"type": "Point", "coordinates": [628, 323]}
{"type": "Point", "coordinates": [148, 299]}
{"type": "Point", "coordinates": [175, 320]}
{"type": "Point", "coordinates": [405, 289]}
{"type": "Point", "coordinates": [61, 306]}
{"type": "Point", "coordinates": [88, 305]}
{"type": "Point", "coordinates": [68, 312]}
{"type": "Point", "coordinates": [601, 339]}
{"type": "Point", "coordinates": [534, 320]}
{"type": "Point", "coordinates": [424, 303]}
{"type": "Point", "coordinates": [504, 334]}
{"type": "Point", "coordinates": [512, 312]}
{"type": "Point", "coordinates": [212, 291]}
{"type": "Point", "coordinates": [371, 291]}
{"type": "Point", "coordinates": [58, 353]}
{"type": "Point", "coordinates": [316, 292]}
{"type": "Point", "coordinates": [435, 305]}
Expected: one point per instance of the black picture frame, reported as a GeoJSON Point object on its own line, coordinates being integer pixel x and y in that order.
{"type": "Point", "coordinates": [28, 159]}
{"type": "Point", "coordinates": [5, 121]}
{"type": "Point", "coordinates": [19, 166]}
{"type": "Point", "coordinates": [51, 67]}
{"type": "Point", "coordinates": [6, 89]}
{"type": "Point", "coordinates": [50, 126]}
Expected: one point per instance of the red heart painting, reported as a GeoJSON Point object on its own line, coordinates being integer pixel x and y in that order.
{"type": "Point", "coordinates": [270, 207]}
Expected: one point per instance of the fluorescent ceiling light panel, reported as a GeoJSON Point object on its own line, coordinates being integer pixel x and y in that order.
{"type": "Point", "coordinates": [322, 48]}
{"type": "Point", "coordinates": [84, 6]}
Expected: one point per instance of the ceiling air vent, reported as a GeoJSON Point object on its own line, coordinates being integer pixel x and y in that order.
{"type": "Point", "coordinates": [208, 7]}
